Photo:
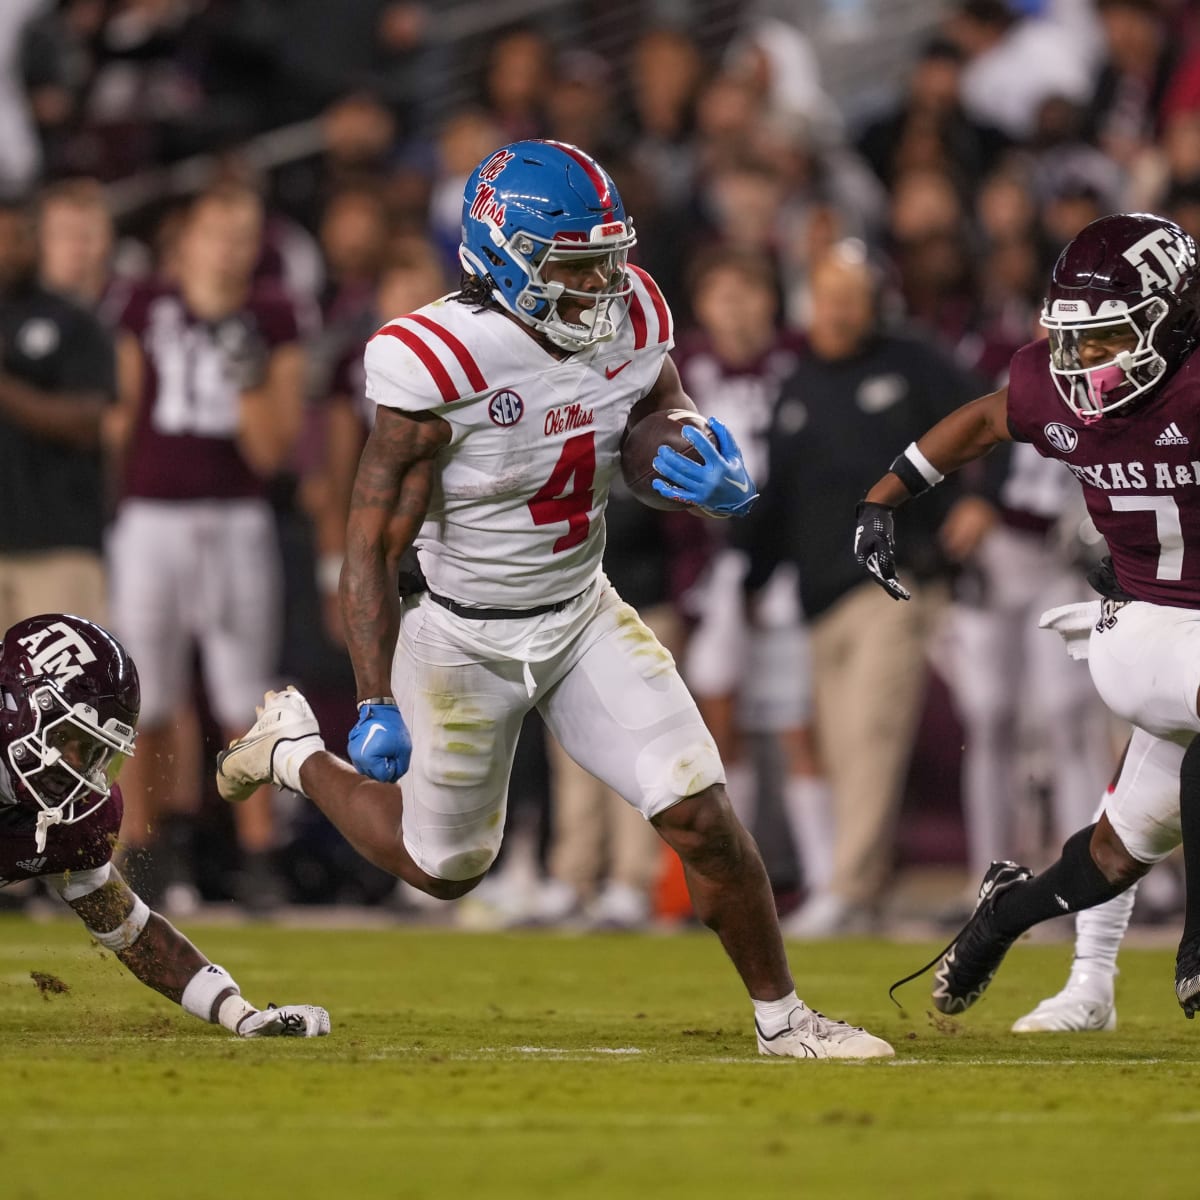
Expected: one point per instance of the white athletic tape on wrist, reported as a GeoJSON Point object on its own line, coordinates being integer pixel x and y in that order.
{"type": "Point", "coordinates": [204, 988]}
{"type": "Point", "coordinates": [233, 1011]}
{"type": "Point", "coordinates": [127, 932]}
{"type": "Point", "coordinates": [290, 755]}
{"type": "Point", "coordinates": [929, 472]}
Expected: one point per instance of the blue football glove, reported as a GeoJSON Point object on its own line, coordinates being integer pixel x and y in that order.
{"type": "Point", "coordinates": [720, 485]}
{"type": "Point", "coordinates": [379, 745]}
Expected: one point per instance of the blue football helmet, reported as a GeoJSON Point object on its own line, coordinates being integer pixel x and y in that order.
{"type": "Point", "coordinates": [535, 202]}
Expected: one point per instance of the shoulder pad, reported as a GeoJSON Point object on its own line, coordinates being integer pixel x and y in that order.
{"type": "Point", "coordinates": [417, 362]}
{"type": "Point", "coordinates": [649, 315]}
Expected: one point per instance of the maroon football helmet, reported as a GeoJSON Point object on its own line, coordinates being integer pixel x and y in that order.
{"type": "Point", "coordinates": [69, 700]}
{"type": "Point", "coordinates": [1131, 277]}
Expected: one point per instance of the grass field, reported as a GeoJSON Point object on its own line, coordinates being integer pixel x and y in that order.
{"type": "Point", "coordinates": [552, 1066]}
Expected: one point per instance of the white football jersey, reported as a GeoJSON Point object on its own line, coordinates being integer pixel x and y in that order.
{"type": "Point", "coordinates": [516, 519]}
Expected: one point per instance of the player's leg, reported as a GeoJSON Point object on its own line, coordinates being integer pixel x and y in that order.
{"type": "Point", "coordinates": [69, 581]}
{"type": "Point", "coordinates": [576, 853]}
{"type": "Point", "coordinates": [1139, 826]}
{"type": "Point", "coordinates": [370, 815]}
{"type": "Point", "coordinates": [239, 581]}
{"type": "Point", "coordinates": [464, 717]}
{"type": "Point", "coordinates": [775, 702]}
{"type": "Point", "coordinates": [621, 710]}
{"type": "Point", "coordinates": [1187, 961]}
{"type": "Point", "coordinates": [149, 548]}
{"type": "Point", "coordinates": [1065, 705]}
{"type": "Point", "coordinates": [783, 707]}
{"type": "Point", "coordinates": [989, 659]}
{"type": "Point", "coordinates": [869, 673]}
{"type": "Point", "coordinates": [714, 665]}
{"type": "Point", "coordinates": [284, 747]}
{"type": "Point", "coordinates": [1087, 1002]}
{"type": "Point", "coordinates": [1145, 663]}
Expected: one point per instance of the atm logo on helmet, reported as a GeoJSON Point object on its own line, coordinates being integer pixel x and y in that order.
{"type": "Point", "coordinates": [58, 651]}
{"type": "Point", "coordinates": [1161, 257]}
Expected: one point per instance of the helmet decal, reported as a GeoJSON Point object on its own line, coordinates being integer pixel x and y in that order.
{"type": "Point", "coordinates": [484, 206]}
{"type": "Point", "coordinates": [1122, 311]}
{"type": "Point", "coordinates": [1160, 257]}
{"type": "Point", "coordinates": [531, 211]}
{"type": "Point", "coordinates": [57, 650]}
{"type": "Point", "coordinates": [69, 701]}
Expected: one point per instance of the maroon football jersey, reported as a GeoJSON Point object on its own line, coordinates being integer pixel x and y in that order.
{"type": "Point", "coordinates": [1139, 467]}
{"type": "Point", "coordinates": [84, 846]}
{"type": "Point", "coordinates": [184, 444]}
{"type": "Point", "coordinates": [742, 397]}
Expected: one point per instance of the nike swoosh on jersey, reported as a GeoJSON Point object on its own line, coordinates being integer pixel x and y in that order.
{"type": "Point", "coordinates": [370, 734]}
{"type": "Point", "coordinates": [613, 372]}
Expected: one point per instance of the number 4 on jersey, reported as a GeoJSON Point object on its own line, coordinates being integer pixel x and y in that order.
{"type": "Point", "coordinates": [567, 494]}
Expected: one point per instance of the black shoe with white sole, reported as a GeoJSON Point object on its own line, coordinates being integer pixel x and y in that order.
{"type": "Point", "coordinates": [968, 963]}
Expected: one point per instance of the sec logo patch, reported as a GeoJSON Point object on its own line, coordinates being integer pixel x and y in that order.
{"type": "Point", "coordinates": [1062, 437]}
{"type": "Point", "coordinates": [506, 408]}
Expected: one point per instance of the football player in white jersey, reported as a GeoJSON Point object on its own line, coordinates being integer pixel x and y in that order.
{"type": "Point", "coordinates": [500, 412]}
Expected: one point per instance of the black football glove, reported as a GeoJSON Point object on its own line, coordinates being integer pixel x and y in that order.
{"type": "Point", "coordinates": [875, 547]}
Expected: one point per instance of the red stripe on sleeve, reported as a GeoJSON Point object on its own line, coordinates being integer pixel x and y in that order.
{"type": "Point", "coordinates": [637, 315]}
{"type": "Point", "coordinates": [660, 305]}
{"type": "Point", "coordinates": [429, 360]}
{"type": "Point", "coordinates": [465, 359]}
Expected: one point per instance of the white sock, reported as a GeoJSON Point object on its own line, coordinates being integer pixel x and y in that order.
{"type": "Point", "coordinates": [741, 783]}
{"type": "Point", "coordinates": [771, 1016]}
{"type": "Point", "coordinates": [1098, 934]}
{"type": "Point", "coordinates": [290, 754]}
{"type": "Point", "coordinates": [808, 805]}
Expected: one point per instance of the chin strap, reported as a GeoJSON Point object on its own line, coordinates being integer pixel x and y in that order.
{"type": "Point", "coordinates": [46, 818]}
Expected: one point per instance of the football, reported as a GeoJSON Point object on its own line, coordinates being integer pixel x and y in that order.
{"type": "Point", "coordinates": [641, 442]}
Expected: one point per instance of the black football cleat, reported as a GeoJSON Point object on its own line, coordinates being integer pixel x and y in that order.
{"type": "Point", "coordinates": [1187, 977]}
{"type": "Point", "coordinates": [968, 963]}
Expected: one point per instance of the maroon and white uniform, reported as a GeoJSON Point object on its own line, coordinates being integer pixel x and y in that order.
{"type": "Point", "coordinates": [768, 668]}
{"type": "Point", "coordinates": [76, 858]}
{"type": "Point", "coordinates": [1013, 693]}
{"type": "Point", "coordinates": [193, 549]}
{"type": "Point", "coordinates": [1140, 473]}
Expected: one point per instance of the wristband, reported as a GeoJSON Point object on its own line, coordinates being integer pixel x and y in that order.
{"type": "Point", "coordinates": [915, 471]}
{"type": "Point", "coordinates": [127, 932]}
{"type": "Point", "coordinates": [233, 1011]}
{"type": "Point", "coordinates": [206, 990]}
{"type": "Point", "coordinates": [376, 700]}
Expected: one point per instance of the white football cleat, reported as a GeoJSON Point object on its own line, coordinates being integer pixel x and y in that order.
{"type": "Point", "coordinates": [247, 764]}
{"type": "Point", "coordinates": [288, 1020]}
{"type": "Point", "coordinates": [1076, 1009]}
{"type": "Point", "coordinates": [810, 1034]}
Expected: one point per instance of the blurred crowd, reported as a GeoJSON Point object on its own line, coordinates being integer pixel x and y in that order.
{"type": "Point", "coordinates": [207, 207]}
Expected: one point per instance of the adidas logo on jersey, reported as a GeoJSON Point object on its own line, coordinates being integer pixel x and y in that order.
{"type": "Point", "coordinates": [1171, 436]}
{"type": "Point", "coordinates": [32, 865]}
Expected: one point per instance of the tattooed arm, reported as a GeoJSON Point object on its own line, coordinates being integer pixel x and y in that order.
{"type": "Point", "coordinates": [160, 956]}
{"type": "Point", "coordinates": [388, 503]}
{"type": "Point", "coordinates": [163, 959]}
